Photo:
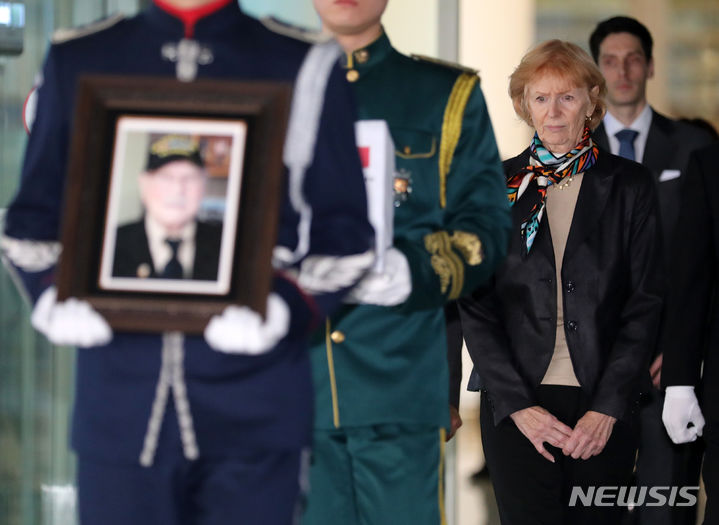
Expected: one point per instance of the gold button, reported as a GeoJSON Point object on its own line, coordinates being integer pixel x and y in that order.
{"type": "Point", "coordinates": [337, 337]}
{"type": "Point", "coordinates": [362, 56]}
{"type": "Point", "coordinates": [352, 75]}
{"type": "Point", "coordinates": [407, 150]}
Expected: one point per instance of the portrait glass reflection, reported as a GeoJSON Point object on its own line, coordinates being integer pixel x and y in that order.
{"type": "Point", "coordinates": [173, 205]}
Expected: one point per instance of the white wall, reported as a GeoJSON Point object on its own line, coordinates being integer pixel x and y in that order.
{"type": "Point", "coordinates": [412, 25]}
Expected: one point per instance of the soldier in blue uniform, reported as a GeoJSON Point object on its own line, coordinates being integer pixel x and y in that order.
{"type": "Point", "coordinates": [227, 445]}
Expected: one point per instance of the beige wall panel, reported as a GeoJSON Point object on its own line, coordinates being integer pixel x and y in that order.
{"type": "Point", "coordinates": [412, 26]}
{"type": "Point", "coordinates": [493, 38]}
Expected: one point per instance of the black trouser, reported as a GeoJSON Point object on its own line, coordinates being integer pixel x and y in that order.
{"type": "Point", "coordinates": [533, 491]}
{"type": "Point", "coordinates": [661, 463]}
{"type": "Point", "coordinates": [710, 472]}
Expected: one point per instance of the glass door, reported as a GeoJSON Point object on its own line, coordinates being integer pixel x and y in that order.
{"type": "Point", "coordinates": [36, 466]}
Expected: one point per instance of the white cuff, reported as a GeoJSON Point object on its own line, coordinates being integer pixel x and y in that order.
{"type": "Point", "coordinates": [30, 256]}
{"type": "Point", "coordinates": [680, 392]}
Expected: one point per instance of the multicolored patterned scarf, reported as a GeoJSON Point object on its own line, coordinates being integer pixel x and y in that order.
{"type": "Point", "coordinates": [551, 170]}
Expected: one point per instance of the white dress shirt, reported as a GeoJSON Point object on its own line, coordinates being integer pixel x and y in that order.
{"type": "Point", "coordinates": [640, 125]}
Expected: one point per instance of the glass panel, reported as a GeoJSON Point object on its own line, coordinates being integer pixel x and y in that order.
{"type": "Point", "coordinates": [574, 20]}
{"type": "Point", "coordinates": [694, 59]}
{"type": "Point", "coordinates": [290, 11]}
{"type": "Point", "coordinates": [686, 46]}
{"type": "Point", "coordinates": [36, 466]}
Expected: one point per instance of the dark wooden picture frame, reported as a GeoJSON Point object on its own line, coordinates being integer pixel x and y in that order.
{"type": "Point", "coordinates": [101, 102]}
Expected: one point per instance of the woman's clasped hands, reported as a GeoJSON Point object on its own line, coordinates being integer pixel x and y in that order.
{"type": "Point", "coordinates": [588, 437]}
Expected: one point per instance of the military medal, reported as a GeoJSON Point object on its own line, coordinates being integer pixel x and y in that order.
{"type": "Point", "coordinates": [402, 186]}
{"type": "Point", "coordinates": [143, 271]}
{"type": "Point", "coordinates": [187, 54]}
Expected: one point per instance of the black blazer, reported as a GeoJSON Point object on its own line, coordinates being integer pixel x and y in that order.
{"type": "Point", "coordinates": [690, 334]}
{"type": "Point", "coordinates": [132, 251]}
{"type": "Point", "coordinates": [669, 144]}
{"type": "Point", "coordinates": [611, 277]}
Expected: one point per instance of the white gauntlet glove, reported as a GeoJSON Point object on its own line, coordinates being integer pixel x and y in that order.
{"type": "Point", "coordinates": [389, 288]}
{"type": "Point", "coordinates": [71, 322]}
{"type": "Point", "coordinates": [241, 330]}
{"type": "Point", "coordinates": [681, 408]}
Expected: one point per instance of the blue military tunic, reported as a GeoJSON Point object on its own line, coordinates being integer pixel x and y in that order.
{"type": "Point", "coordinates": [238, 403]}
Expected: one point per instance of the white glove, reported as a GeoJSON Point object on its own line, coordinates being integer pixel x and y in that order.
{"type": "Point", "coordinates": [681, 408]}
{"type": "Point", "coordinates": [71, 322]}
{"type": "Point", "coordinates": [388, 288]}
{"type": "Point", "coordinates": [241, 330]}
{"type": "Point", "coordinates": [327, 273]}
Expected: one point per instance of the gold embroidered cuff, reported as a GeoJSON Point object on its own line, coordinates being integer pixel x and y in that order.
{"type": "Point", "coordinates": [469, 245]}
{"type": "Point", "coordinates": [445, 263]}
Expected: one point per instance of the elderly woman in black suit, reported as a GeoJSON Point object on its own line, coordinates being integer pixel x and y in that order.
{"type": "Point", "coordinates": [562, 336]}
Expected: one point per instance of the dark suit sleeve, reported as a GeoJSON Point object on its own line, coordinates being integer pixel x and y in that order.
{"type": "Point", "coordinates": [693, 276]}
{"type": "Point", "coordinates": [640, 314]}
{"type": "Point", "coordinates": [488, 346]}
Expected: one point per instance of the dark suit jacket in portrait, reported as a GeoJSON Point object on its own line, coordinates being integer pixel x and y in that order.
{"type": "Point", "coordinates": [690, 334]}
{"type": "Point", "coordinates": [669, 144]}
{"type": "Point", "coordinates": [611, 281]}
{"type": "Point", "coordinates": [132, 251]}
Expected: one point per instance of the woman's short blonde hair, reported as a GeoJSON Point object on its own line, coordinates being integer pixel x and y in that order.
{"type": "Point", "coordinates": [564, 60]}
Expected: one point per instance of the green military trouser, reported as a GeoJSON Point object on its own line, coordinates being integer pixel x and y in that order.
{"type": "Point", "coordinates": [376, 475]}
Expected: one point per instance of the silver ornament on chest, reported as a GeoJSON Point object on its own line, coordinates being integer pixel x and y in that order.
{"type": "Point", "coordinates": [187, 55]}
{"type": "Point", "coordinates": [402, 186]}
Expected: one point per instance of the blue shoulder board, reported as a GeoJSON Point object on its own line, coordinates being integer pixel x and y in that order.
{"type": "Point", "coordinates": [65, 35]}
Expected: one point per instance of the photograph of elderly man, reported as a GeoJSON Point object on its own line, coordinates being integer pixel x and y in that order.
{"type": "Point", "coordinates": [169, 241]}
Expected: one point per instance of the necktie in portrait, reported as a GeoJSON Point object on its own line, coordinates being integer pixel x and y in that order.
{"type": "Point", "coordinates": [173, 269]}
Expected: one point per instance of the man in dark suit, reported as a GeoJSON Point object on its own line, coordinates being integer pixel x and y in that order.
{"type": "Point", "coordinates": [692, 316]}
{"type": "Point", "coordinates": [169, 242]}
{"type": "Point", "coordinates": [622, 47]}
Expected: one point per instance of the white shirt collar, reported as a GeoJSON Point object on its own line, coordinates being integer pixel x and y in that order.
{"type": "Point", "coordinates": [161, 252]}
{"type": "Point", "coordinates": [641, 125]}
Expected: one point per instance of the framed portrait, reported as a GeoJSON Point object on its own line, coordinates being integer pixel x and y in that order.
{"type": "Point", "coordinates": [172, 199]}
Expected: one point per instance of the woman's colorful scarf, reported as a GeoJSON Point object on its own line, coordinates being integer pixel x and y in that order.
{"type": "Point", "coordinates": [551, 170]}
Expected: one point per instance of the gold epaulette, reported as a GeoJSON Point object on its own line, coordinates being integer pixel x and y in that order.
{"type": "Point", "coordinates": [71, 33]}
{"type": "Point", "coordinates": [452, 127]}
{"type": "Point", "coordinates": [298, 33]}
{"type": "Point", "coordinates": [445, 63]}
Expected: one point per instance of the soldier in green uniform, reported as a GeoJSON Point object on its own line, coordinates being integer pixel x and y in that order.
{"type": "Point", "coordinates": [380, 366]}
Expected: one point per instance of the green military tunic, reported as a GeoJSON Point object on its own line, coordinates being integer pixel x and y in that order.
{"type": "Point", "coordinates": [375, 365]}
